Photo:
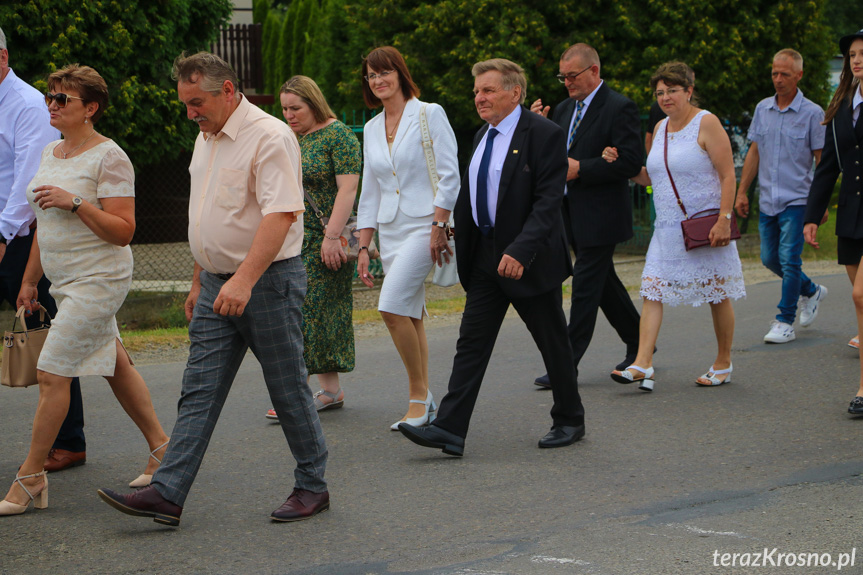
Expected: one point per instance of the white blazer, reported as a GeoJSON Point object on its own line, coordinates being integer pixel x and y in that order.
{"type": "Point", "coordinates": [401, 181]}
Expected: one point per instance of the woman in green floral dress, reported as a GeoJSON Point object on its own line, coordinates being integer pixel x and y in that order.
{"type": "Point", "coordinates": [332, 160]}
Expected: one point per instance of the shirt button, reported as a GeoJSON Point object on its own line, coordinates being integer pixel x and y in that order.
{"type": "Point", "coordinates": [394, 173]}
{"type": "Point", "coordinates": [398, 191]}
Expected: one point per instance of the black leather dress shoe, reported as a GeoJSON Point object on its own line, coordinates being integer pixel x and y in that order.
{"type": "Point", "coordinates": [302, 504]}
{"type": "Point", "coordinates": [145, 502]}
{"type": "Point", "coordinates": [561, 436]}
{"type": "Point", "coordinates": [435, 437]}
{"type": "Point", "coordinates": [856, 407]}
{"type": "Point", "coordinates": [542, 381]}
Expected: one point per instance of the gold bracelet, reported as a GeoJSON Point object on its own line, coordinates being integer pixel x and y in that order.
{"type": "Point", "coordinates": [329, 238]}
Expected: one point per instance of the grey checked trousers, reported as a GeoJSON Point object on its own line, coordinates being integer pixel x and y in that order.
{"type": "Point", "coordinates": [271, 326]}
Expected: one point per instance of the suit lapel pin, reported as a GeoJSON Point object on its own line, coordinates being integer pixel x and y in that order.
{"type": "Point", "coordinates": [515, 151]}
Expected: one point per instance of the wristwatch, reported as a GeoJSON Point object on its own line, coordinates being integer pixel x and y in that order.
{"type": "Point", "coordinates": [362, 248]}
{"type": "Point", "coordinates": [439, 224]}
{"type": "Point", "coordinates": [728, 216]}
{"type": "Point", "coordinates": [76, 203]}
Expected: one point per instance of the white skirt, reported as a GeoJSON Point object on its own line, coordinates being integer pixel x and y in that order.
{"type": "Point", "coordinates": [406, 259]}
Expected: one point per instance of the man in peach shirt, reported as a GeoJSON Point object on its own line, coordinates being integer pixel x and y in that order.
{"type": "Point", "coordinates": [245, 232]}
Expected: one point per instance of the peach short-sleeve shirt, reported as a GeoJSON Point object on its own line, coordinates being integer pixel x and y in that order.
{"type": "Point", "coordinates": [249, 169]}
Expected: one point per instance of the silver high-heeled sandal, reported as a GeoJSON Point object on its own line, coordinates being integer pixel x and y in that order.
{"type": "Point", "coordinates": [40, 500]}
{"type": "Point", "coordinates": [144, 479]}
{"type": "Point", "coordinates": [426, 418]}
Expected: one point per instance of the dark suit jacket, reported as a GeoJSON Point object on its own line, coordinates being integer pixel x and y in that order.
{"type": "Point", "coordinates": [849, 214]}
{"type": "Point", "coordinates": [599, 201]}
{"type": "Point", "coordinates": [528, 222]}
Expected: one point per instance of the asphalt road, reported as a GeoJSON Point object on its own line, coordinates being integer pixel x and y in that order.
{"type": "Point", "coordinates": [664, 483]}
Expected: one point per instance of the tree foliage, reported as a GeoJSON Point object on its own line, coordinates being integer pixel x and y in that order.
{"type": "Point", "coordinates": [729, 44]}
{"type": "Point", "coordinates": [132, 45]}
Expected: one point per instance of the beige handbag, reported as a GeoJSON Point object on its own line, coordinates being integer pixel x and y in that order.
{"type": "Point", "coordinates": [21, 351]}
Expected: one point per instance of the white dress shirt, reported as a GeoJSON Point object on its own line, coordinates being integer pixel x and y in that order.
{"type": "Point", "coordinates": [499, 152]}
{"type": "Point", "coordinates": [25, 130]}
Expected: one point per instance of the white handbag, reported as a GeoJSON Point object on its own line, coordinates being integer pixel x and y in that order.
{"type": "Point", "coordinates": [447, 274]}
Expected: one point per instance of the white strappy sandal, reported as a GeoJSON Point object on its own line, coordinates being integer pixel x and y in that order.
{"type": "Point", "coordinates": [425, 419]}
{"type": "Point", "coordinates": [144, 479]}
{"type": "Point", "coordinates": [645, 382]}
{"type": "Point", "coordinates": [711, 377]}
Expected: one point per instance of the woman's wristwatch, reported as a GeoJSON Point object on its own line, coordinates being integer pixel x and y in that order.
{"type": "Point", "coordinates": [359, 251]}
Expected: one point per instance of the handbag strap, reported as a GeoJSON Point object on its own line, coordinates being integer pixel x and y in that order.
{"type": "Point", "coordinates": [428, 149]}
{"type": "Point", "coordinates": [673, 187]}
{"type": "Point", "coordinates": [19, 316]}
{"type": "Point", "coordinates": [315, 208]}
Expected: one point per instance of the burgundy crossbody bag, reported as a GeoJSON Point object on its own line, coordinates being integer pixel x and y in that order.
{"type": "Point", "coordinates": [696, 229]}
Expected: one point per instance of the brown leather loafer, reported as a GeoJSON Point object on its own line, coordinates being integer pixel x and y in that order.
{"type": "Point", "coordinates": [301, 505]}
{"type": "Point", "coordinates": [146, 502]}
{"type": "Point", "coordinates": [60, 459]}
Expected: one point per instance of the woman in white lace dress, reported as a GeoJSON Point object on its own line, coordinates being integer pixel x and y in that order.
{"type": "Point", "coordinates": [83, 197]}
{"type": "Point", "coordinates": [701, 165]}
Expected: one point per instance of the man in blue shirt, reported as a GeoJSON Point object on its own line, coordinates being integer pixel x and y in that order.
{"type": "Point", "coordinates": [25, 130]}
{"type": "Point", "coordinates": [786, 135]}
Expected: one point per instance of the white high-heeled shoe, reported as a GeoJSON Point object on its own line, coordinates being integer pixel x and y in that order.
{"type": "Point", "coordinates": [144, 479]}
{"type": "Point", "coordinates": [40, 500]}
{"type": "Point", "coordinates": [425, 418]}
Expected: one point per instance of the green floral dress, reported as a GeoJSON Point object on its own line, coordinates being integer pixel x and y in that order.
{"type": "Point", "coordinates": [328, 334]}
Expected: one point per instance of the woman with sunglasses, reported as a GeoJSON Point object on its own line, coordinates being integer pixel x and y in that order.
{"type": "Point", "coordinates": [842, 155]}
{"type": "Point", "coordinates": [398, 199]}
{"type": "Point", "coordinates": [83, 197]}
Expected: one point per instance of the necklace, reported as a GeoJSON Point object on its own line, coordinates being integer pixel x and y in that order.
{"type": "Point", "coordinates": [78, 147]}
{"type": "Point", "coordinates": [392, 135]}
{"type": "Point", "coordinates": [686, 121]}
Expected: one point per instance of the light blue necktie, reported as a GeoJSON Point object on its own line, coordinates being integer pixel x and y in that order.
{"type": "Point", "coordinates": [579, 106]}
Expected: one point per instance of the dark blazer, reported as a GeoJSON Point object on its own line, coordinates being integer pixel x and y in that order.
{"type": "Point", "coordinates": [849, 214]}
{"type": "Point", "coordinates": [528, 222]}
{"type": "Point", "coordinates": [599, 201]}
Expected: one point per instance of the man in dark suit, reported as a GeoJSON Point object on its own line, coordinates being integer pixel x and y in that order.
{"type": "Point", "coordinates": [597, 206]}
{"type": "Point", "coordinates": [512, 249]}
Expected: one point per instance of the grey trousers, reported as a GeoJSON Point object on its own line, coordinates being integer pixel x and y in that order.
{"type": "Point", "coordinates": [271, 326]}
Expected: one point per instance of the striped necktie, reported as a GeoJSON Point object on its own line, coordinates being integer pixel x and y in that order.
{"type": "Point", "coordinates": [579, 106]}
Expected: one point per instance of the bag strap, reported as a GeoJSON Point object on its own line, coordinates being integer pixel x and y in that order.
{"type": "Point", "coordinates": [428, 148]}
{"type": "Point", "coordinates": [19, 316]}
{"type": "Point", "coordinates": [673, 187]}
{"type": "Point", "coordinates": [320, 215]}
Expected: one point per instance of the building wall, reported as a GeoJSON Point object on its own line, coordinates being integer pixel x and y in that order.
{"type": "Point", "coordinates": [242, 12]}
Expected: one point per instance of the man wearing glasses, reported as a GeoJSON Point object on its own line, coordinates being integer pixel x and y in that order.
{"type": "Point", "coordinates": [597, 208]}
{"type": "Point", "coordinates": [25, 130]}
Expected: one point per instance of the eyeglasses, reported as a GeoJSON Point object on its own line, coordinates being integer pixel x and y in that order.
{"type": "Point", "coordinates": [670, 92]}
{"type": "Point", "coordinates": [371, 77]}
{"type": "Point", "coordinates": [562, 78]}
{"type": "Point", "coordinates": [61, 99]}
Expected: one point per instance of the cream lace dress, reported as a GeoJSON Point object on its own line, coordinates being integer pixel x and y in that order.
{"type": "Point", "coordinates": [671, 274]}
{"type": "Point", "coordinates": [89, 277]}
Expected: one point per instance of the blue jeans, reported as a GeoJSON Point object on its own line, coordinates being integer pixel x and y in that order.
{"type": "Point", "coordinates": [781, 246]}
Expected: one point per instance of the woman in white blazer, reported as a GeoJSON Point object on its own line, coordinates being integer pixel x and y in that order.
{"type": "Point", "coordinates": [397, 199]}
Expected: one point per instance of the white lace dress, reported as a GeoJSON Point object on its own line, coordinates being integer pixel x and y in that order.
{"type": "Point", "coordinates": [672, 275]}
{"type": "Point", "coordinates": [89, 277]}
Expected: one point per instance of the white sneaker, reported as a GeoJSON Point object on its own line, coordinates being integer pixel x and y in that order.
{"type": "Point", "coordinates": [809, 305]}
{"type": "Point", "coordinates": [780, 333]}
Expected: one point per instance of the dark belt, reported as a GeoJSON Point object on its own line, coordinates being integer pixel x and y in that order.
{"type": "Point", "coordinates": [224, 277]}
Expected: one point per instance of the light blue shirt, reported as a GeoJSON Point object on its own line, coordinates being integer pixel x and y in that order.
{"type": "Point", "coordinates": [499, 152]}
{"type": "Point", "coordinates": [25, 130]}
{"type": "Point", "coordinates": [787, 140]}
